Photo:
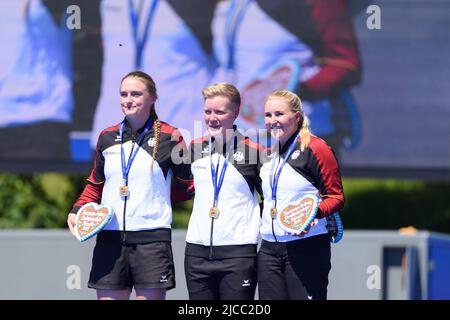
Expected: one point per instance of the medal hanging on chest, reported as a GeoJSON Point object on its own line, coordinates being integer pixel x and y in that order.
{"type": "Point", "coordinates": [273, 212]}
{"type": "Point", "coordinates": [124, 189]}
{"type": "Point", "coordinates": [218, 181]}
{"type": "Point", "coordinates": [275, 176]}
{"type": "Point", "coordinates": [214, 212]}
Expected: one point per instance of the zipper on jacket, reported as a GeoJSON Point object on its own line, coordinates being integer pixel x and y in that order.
{"type": "Point", "coordinates": [124, 214]}
{"type": "Point", "coordinates": [212, 219]}
{"type": "Point", "coordinates": [273, 231]}
{"type": "Point", "coordinates": [274, 204]}
{"type": "Point", "coordinates": [124, 237]}
{"type": "Point", "coordinates": [211, 240]}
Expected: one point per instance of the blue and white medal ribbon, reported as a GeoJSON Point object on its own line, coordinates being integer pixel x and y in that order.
{"type": "Point", "coordinates": [235, 16]}
{"type": "Point", "coordinates": [126, 166]}
{"type": "Point", "coordinates": [134, 19]}
{"type": "Point", "coordinates": [214, 211]}
{"type": "Point", "coordinates": [274, 177]}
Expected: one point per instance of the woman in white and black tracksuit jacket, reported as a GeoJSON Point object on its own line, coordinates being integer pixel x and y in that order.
{"type": "Point", "coordinates": [134, 248]}
{"type": "Point", "coordinates": [295, 266]}
{"type": "Point", "coordinates": [222, 236]}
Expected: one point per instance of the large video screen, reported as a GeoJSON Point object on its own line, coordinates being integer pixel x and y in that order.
{"type": "Point", "coordinates": [373, 76]}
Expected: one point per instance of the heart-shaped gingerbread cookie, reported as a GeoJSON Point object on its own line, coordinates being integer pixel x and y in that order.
{"type": "Point", "coordinates": [91, 218]}
{"type": "Point", "coordinates": [296, 217]}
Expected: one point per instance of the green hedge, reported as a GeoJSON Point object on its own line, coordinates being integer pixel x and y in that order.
{"type": "Point", "coordinates": [38, 200]}
{"type": "Point", "coordinates": [43, 201]}
{"type": "Point", "coordinates": [392, 204]}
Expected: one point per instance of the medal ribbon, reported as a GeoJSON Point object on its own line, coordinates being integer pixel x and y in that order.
{"type": "Point", "coordinates": [233, 21]}
{"type": "Point", "coordinates": [127, 166]}
{"type": "Point", "coordinates": [218, 185]}
{"type": "Point", "coordinates": [134, 19]}
{"type": "Point", "coordinates": [274, 181]}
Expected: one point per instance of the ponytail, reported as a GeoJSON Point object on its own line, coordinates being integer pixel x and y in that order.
{"type": "Point", "coordinates": [305, 133]}
{"type": "Point", "coordinates": [295, 105]}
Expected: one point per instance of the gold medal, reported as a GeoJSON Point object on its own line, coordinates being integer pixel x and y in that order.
{"type": "Point", "coordinates": [124, 191]}
{"type": "Point", "coordinates": [214, 212]}
{"type": "Point", "coordinates": [273, 212]}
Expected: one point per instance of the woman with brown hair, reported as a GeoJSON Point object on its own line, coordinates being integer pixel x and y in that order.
{"type": "Point", "coordinates": [134, 248]}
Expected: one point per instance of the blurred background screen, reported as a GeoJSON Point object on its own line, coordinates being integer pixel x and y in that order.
{"type": "Point", "coordinates": [373, 76]}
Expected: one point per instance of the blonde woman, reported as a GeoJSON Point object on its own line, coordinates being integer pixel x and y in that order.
{"type": "Point", "coordinates": [299, 163]}
{"type": "Point", "coordinates": [134, 164]}
{"type": "Point", "coordinates": [222, 236]}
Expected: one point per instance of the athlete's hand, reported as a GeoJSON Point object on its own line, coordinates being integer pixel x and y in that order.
{"type": "Point", "coordinates": [304, 232]}
{"type": "Point", "coordinates": [71, 222]}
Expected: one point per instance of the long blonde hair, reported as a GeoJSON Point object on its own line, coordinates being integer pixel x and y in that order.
{"type": "Point", "coordinates": [295, 105]}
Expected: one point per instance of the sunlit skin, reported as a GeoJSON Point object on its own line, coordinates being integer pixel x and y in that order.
{"type": "Point", "coordinates": [282, 124]}
{"type": "Point", "coordinates": [280, 120]}
{"type": "Point", "coordinates": [219, 115]}
{"type": "Point", "coordinates": [136, 102]}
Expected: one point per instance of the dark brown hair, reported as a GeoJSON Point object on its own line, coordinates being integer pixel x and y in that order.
{"type": "Point", "coordinates": [149, 84]}
{"type": "Point", "coordinates": [151, 87]}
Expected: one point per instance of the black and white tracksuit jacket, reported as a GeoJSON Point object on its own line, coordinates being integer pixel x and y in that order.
{"type": "Point", "coordinates": [146, 214]}
{"type": "Point", "coordinates": [313, 171]}
{"type": "Point", "coordinates": [235, 232]}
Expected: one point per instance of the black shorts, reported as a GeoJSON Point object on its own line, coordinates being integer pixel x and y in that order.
{"type": "Point", "coordinates": [221, 279]}
{"type": "Point", "coordinates": [124, 266]}
{"type": "Point", "coordinates": [294, 270]}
